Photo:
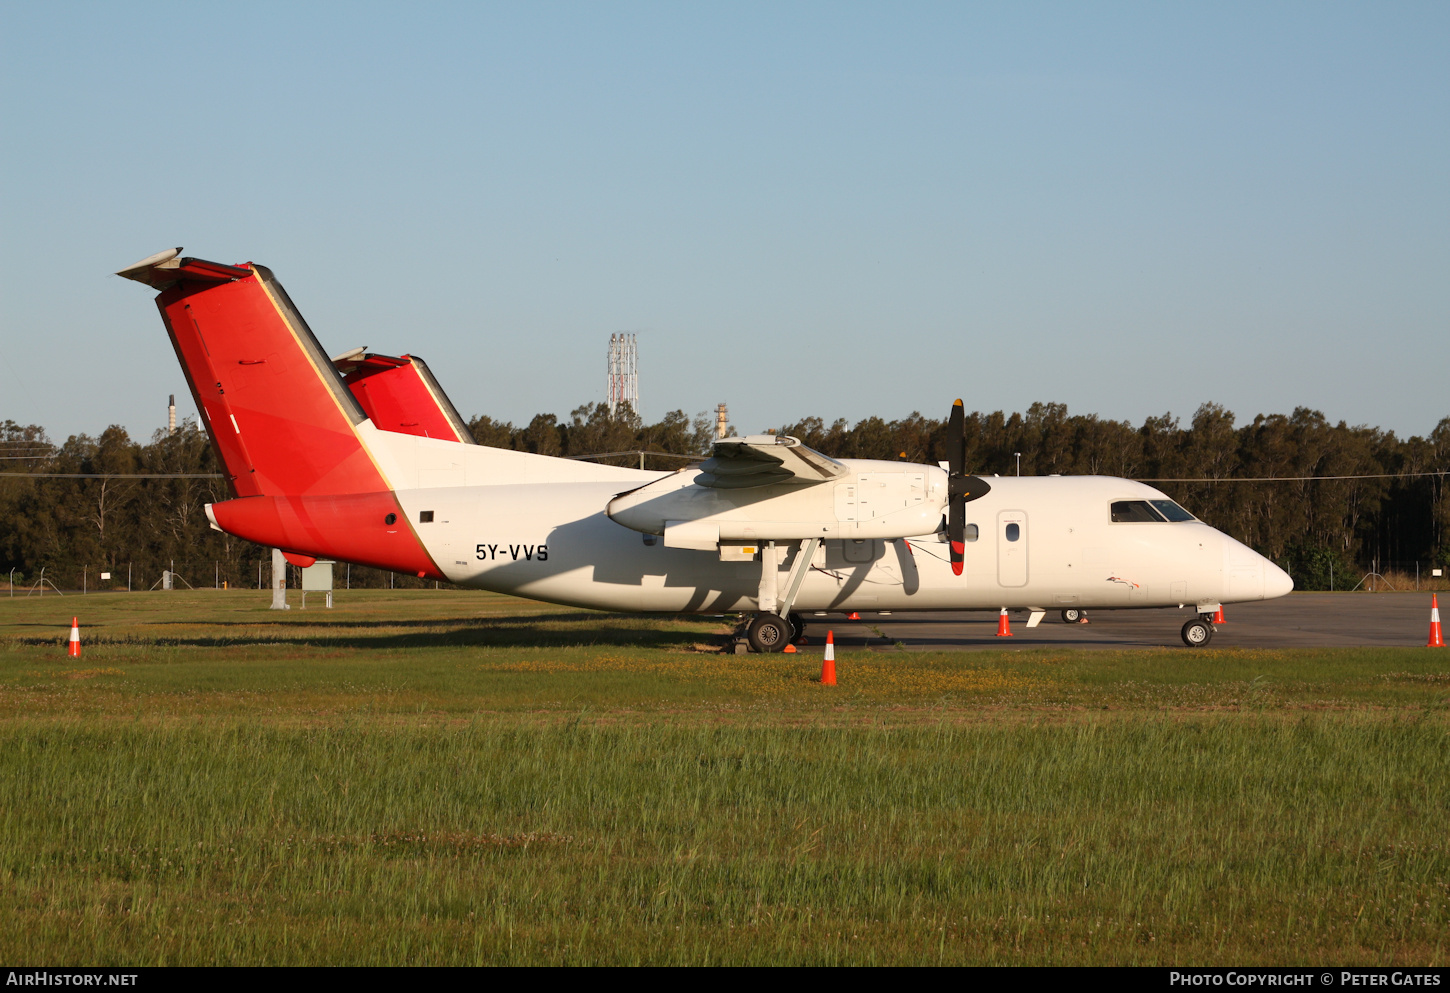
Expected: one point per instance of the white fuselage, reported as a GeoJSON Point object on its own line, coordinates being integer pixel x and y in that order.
{"type": "Point", "coordinates": [537, 527]}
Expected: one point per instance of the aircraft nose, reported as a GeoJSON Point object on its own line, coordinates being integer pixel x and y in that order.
{"type": "Point", "coordinates": [1277, 582]}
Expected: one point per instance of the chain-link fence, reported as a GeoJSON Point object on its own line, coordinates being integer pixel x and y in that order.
{"type": "Point", "coordinates": [250, 573]}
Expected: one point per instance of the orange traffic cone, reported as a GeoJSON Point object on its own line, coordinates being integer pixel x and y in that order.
{"type": "Point", "coordinates": [75, 638]}
{"type": "Point", "coordinates": [789, 649]}
{"type": "Point", "coordinates": [1437, 637]}
{"type": "Point", "coordinates": [853, 616]}
{"type": "Point", "coordinates": [828, 667]}
{"type": "Point", "coordinates": [1218, 616]}
{"type": "Point", "coordinates": [1004, 630]}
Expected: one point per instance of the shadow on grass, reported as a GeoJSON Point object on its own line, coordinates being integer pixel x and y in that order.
{"type": "Point", "coordinates": [324, 620]}
{"type": "Point", "coordinates": [540, 631]}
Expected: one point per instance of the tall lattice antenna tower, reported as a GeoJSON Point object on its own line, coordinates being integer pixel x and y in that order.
{"type": "Point", "coordinates": [623, 383]}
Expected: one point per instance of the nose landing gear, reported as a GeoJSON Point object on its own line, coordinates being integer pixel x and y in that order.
{"type": "Point", "coordinates": [1197, 632]}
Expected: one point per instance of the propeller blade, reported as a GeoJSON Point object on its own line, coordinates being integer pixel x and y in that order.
{"type": "Point", "coordinates": [957, 440]}
{"type": "Point", "coordinates": [957, 532]}
{"type": "Point", "coordinates": [956, 501]}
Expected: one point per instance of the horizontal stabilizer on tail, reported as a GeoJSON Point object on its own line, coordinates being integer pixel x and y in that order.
{"type": "Point", "coordinates": [165, 269]}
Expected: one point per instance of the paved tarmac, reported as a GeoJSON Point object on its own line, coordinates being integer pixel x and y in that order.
{"type": "Point", "coordinates": [1299, 620]}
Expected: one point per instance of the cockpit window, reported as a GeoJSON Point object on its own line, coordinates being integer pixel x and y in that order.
{"type": "Point", "coordinates": [1134, 512]}
{"type": "Point", "coordinates": [1172, 511]}
{"type": "Point", "coordinates": [1148, 512]}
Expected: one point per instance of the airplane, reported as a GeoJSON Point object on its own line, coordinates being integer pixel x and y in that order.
{"type": "Point", "coordinates": [365, 460]}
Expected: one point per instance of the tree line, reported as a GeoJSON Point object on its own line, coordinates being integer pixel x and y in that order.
{"type": "Point", "coordinates": [1394, 512]}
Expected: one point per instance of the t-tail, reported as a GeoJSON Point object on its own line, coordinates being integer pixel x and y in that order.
{"type": "Point", "coordinates": [290, 435]}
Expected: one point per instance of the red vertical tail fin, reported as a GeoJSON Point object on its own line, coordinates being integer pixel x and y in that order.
{"type": "Point", "coordinates": [280, 417]}
{"type": "Point", "coordinates": [400, 394]}
{"type": "Point", "coordinates": [283, 423]}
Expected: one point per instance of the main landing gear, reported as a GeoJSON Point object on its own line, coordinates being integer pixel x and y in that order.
{"type": "Point", "coordinates": [776, 626]}
{"type": "Point", "coordinates": [769, 633]}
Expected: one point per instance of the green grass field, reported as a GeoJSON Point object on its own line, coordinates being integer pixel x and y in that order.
{"type": "Point", "coordinates": [459, 778]}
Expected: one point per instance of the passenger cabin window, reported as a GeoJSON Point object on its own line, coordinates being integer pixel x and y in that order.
{"type": "Point", "coordinates": [1135, 512]}
{"type": "Point", "coordinates": [425, 517]}
{"type": "Point", "coordinates": [970, 532]}
{"type": "Point", "coordinates": [1014, 531]}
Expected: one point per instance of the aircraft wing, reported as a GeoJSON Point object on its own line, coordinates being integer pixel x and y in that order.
{"type": "Point", "coordinates": [764, 459]}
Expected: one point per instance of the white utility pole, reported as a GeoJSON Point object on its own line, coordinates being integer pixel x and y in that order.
{"type": "Point", "coordinates": [279, 580]}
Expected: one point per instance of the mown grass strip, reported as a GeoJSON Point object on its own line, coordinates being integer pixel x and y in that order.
{"type": "Point", "coordinates": [1164, 840]}
{"type": "Point", "coordinates": [334, 797]}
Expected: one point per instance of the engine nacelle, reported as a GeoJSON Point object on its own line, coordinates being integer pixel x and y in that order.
{"type": "Point", "coordinates": [875, 500]}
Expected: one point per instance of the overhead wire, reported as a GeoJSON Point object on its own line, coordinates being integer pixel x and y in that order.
{"type": "Point", "coordinates": [115, 475]}
{"type": "Point", "coordinates": [670, 455]}
{"type": "Point", "coordinates": [1290, 479]}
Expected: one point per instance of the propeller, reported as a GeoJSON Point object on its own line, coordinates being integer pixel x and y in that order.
{"type": "Point", "coordinates": [961, 488]}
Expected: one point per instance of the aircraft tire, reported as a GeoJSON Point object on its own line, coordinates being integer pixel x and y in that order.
{"type": "Point", "coordinates": [768, 633]}
{"type": "Point", "coordinates": [1197, 633]}
{"type": "Point", "coordinates": [1071, 615]}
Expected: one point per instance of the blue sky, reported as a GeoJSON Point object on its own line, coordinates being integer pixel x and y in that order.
{"type": "Point", "coordinates": [802, 209]}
